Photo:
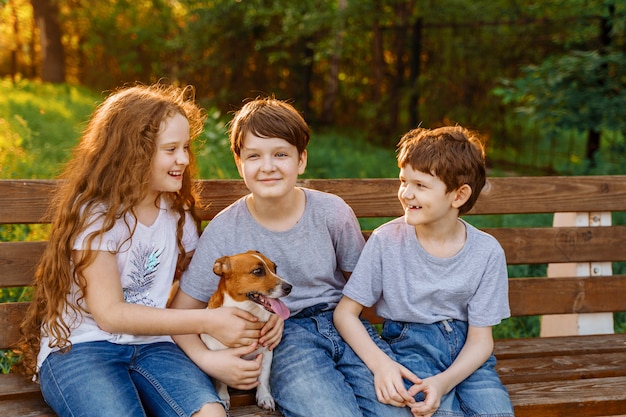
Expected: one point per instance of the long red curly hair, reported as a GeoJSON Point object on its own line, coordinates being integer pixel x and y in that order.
{"type": "Point", "coordinates": [110, 166]}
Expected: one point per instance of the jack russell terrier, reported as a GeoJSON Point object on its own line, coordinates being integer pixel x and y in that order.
{"type": "Point", "coordinates": [249, 281]}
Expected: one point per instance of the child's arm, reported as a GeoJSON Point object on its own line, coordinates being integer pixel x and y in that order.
{"type": "Point", "coordinates": [104, 298]}
{"type": "Point", "coordinates": [387, 373]}
{"type": "Point", "coordinates": [225, 365]}
{"type": "Point", "coordinates": [477, 349]}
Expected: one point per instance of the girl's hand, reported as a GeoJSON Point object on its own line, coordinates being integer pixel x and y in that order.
{"type": "Point", "coordinates": [272, 332]}
{"type": "Point", "coordinates": [233, 327]}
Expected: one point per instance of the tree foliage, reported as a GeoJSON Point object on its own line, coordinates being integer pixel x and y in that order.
{"type": "Point", "coordinates": [383, 66]}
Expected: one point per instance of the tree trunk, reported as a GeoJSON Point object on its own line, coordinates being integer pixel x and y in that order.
{"type": "Point", "coordinates": [46, 14]}
{"type": "Point", "coordinates": [332, 82]}
{"type": "Point", "coordinates": [414, 74]}
{"type": "Point", "coordinates": [593, 135]}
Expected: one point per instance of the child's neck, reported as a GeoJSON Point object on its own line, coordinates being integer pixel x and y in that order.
{"type": "Point", "coordinates": [147, 211]}
{"type": "Point", "coordinates": [277, 214]}
{"type": "Point", "coordinates": [442, 241]}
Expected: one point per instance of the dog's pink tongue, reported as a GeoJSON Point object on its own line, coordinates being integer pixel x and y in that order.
{"type": "Point", "coordinates": [279, 308]}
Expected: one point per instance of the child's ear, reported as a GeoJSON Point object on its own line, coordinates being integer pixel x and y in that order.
{"type": "Point", "coordinates": [302, 159]}
{"type": "Point", "coordinates": [238, 164]}
{"type": "Point", "coordinates": [461, 195]}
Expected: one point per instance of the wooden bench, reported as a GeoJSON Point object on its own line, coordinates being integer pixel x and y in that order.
{"type": "Point", "coordinates": [579, 375]}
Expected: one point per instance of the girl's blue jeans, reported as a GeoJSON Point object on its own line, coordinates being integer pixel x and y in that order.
{"type": "Point", "coordinates": [316, 374]}
{"type": "Point", "coordinates": [109, 380]}
{"type": "Point", "coordinates": [429, 349]}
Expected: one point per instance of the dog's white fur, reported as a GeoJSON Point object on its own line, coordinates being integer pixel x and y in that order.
{"type": "Point", "coordinates": [263, 394]}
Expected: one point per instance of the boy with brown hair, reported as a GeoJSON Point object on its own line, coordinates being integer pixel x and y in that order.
{"type": "Point", "coordinates": [315, 240]}
{"type": "Point", "coordinates": [439, 283]}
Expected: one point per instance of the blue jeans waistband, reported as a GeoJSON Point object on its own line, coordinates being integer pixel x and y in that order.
{"type": "Point", "coordinates": [312, 311]}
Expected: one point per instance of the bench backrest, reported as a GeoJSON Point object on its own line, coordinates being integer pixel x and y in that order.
{"type": "Point", "coordinates": [26, 201]}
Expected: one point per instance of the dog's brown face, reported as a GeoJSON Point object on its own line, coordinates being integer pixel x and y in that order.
{"type": "Point", "coordinates": [252, 276]}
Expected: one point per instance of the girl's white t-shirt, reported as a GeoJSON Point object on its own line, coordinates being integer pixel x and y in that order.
{"type": "Point", "coordinates": [146, 264]}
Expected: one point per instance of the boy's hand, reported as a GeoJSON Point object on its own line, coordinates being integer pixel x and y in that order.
{"type": "Point", "coordinates": [433, 391]}
{"type": "Point", "coordinates": [389, 384]}
{"type": "Point", "coordinates": [272, 332]}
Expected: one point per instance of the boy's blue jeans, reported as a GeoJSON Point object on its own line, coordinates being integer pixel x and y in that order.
{"type": "Point", "coordinates": [108, 380]}
{"type": "Point", "coordinates": [429, 349]}
{"type": "Point", "coordinates": [316, 374]}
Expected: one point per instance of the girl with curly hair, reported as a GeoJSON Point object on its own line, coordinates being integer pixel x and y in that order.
{"type": "Point", "coordinates": [97, 333]}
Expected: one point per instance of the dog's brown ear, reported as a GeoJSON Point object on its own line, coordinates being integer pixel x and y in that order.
{"type": "Point", "coordinates": [221, 265]}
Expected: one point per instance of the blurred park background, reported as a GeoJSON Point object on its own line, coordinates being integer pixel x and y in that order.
{"type": "Point", "coordinates": [544, 82]}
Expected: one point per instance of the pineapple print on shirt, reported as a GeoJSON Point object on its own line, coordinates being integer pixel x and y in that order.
{"type": "Point", "coordinates": [146, 261]}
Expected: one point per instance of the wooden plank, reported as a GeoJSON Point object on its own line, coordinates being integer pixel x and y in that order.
{"type": "Point", "coordinates": [14, 386]}
{"type": "Point", "coordinates": [540, 295]}
{"type": "Point", "coordinates": [11, 315]}
{"type": "Point", "coordinates": [377, 197]}
{"type": "Point", "coordinates": [25, 407]}
{"type": "Point", "coordinates": [562, 368]}
{"type": "Point", "coordinates": [18, 261]}
{"type": "Point", "coordinates": [26, 201]}
{"type": "Point", "coordinates": [537, 296]}
{"type": "Point", "coordinates": [581, 398]}
{"type": "Point", "coordinates": [531, 245]}
{"type": "Point", "coordinates": [252, 411]}
{"type": "Point", "coordinates": [561, 345]}
{"type": "Point", "coordinates": [552, 194]}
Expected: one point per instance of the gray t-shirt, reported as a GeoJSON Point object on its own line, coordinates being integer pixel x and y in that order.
{"type": "Point", "coordinates": [310, 255]}
{"type": "Point", "coordinates": [408, 284]}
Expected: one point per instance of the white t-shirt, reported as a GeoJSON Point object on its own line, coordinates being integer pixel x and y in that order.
{"type": "Point", "coordinates": [146, 263]}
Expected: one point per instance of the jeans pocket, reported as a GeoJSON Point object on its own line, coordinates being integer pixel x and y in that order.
{"type": "Point", "coordinates": [393, 331]}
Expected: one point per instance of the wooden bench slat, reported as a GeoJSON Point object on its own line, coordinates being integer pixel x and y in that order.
{"type": "Point", "coordinates": [26, 407]}
{"type": "Point", "coordinates": [18, 261]}
{"type": "Point", "coordinates": [562, 368]}
{"type": "Point", "coordinates": [521, 246]}
{"type": "Point", "coordinates": [16, 386]}
{"type": "Point", "coordinates": [581, 398]}
{"type": "Point", "coordinates": [538, 245]}
{"type": "Point", "coordinates": [552, 194]}
{"type": "Point", "coordinates": [560, 345]}
{"type": "Point", "coordinates": [26, 201]}
{"type": "Point", "coordinates": [533, 296]}
{"type": "Point", "coordinates": [11, 315]}
{"type": "Point", "coordinates": [252, 411]}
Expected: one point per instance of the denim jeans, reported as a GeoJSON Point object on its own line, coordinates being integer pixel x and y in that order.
{"type": "Point", "coordinates": [316, 374]}
{"type": "Point", "coordinates": [429, 349]}
{"type": "Point", "coordinates": [108, 380]}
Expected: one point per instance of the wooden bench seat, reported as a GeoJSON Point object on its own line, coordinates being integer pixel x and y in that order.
{"type": "Point", "coordinates": [570, 376]}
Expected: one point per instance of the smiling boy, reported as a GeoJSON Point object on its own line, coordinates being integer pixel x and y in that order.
{"type": "Point", "coordinates": [439, 283]}
{"type": "Point", "coordinates": [315, 240]}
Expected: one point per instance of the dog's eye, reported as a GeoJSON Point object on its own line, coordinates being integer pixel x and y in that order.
{"type": "Point", "coordinates": [259, 272]}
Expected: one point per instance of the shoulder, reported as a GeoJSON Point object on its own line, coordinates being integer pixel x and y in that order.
{"type": "Point", "coordinates": [231, 212]}
{"type": "Point", "coordinates": [393, 227]}
{"type": "Point", "coordinates": [317, 198]}
{"type": "Point", "coordinates": [483, 239]}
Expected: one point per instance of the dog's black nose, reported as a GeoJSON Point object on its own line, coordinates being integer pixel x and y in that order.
{"type": "Point", "coordinates": [286, 288]}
